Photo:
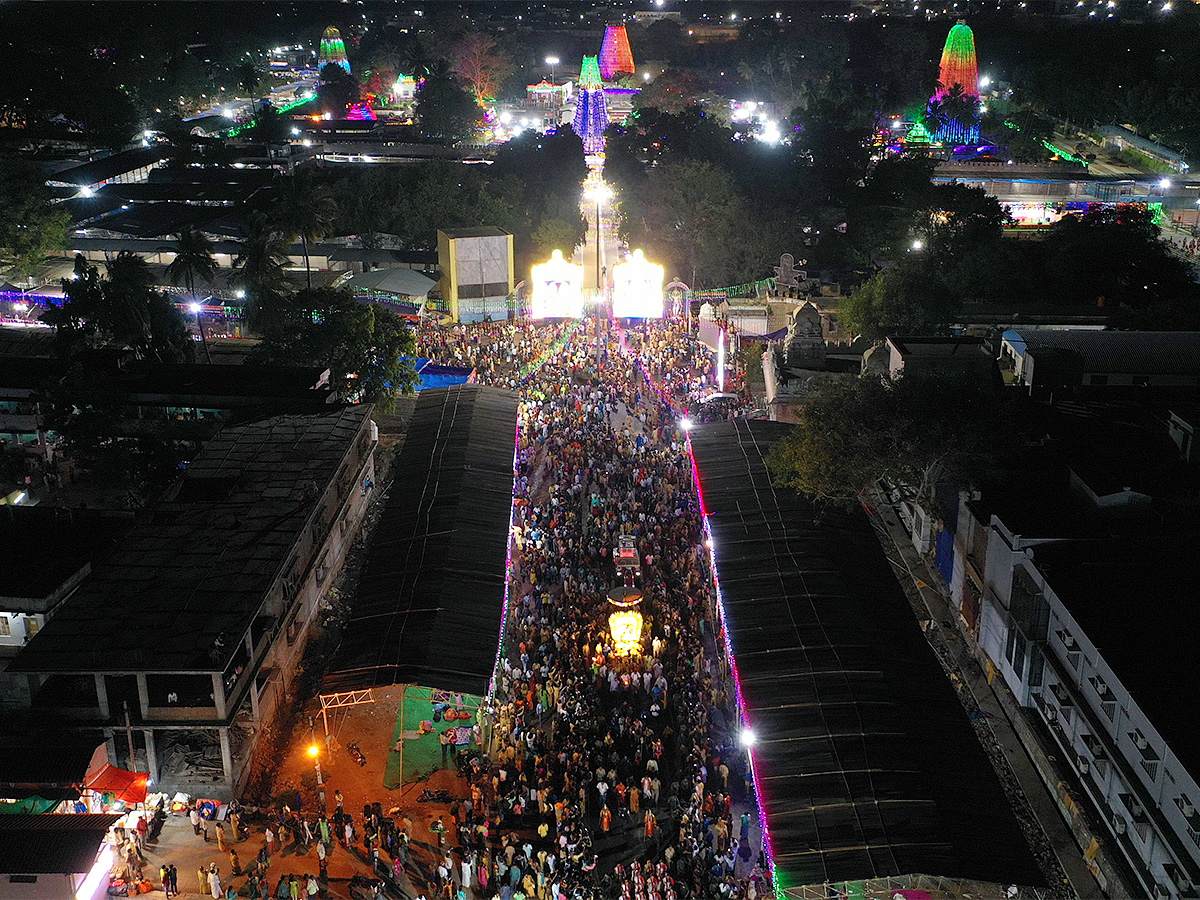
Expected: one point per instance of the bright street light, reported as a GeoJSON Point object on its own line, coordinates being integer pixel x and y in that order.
{"type": "Point", "coordinates": [747, 737]}
{"type": "Point", "coordinates": [686, 423]}
{"type": "Point", "coordinates": [195, 308]}
{"type": "Point", "coordinates": [313, 750]}
{"type": "Point", "coordinates": [240, 294]}
{"type": "Point", "coordinates": [917, 244]}
{"type": "Point", "coordinates": [552, 60]}
{"type": "Point", "coordinates": [1165, 183]}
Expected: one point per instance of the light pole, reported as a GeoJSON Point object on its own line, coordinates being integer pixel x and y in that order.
{"type": "Point", "coordinates": [552, 61]}
{"type": "Point", "coordinates": [315, 752]}
{"type": "Point", "coordinates": [197, 309]}
{"type": "Point", "coordinates": [599, 191]}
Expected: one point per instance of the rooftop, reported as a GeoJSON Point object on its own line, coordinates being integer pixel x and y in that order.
{"type": "Point", "coordinates": [431, 597]}
{"type": "Point", "coordinates": [478, 231]}
{"type": "Point", "coordinates": [1133, 597]}
{"type": "Point", "coordinates": [1118, 352]}
{"type": "Point", "coordinates": [865, 759]}
{"type": "Point", "coordinates": [51, 549]}
{"type": "Point", "coordinates": [99, 170]}
{"type": "Point", "coordinates": [198, 568]}
{"type": "Point", "coordinates": [51, 844]}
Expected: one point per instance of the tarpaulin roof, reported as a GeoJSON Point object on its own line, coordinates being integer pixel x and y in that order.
{"type": "Point", "coordinates": [431, 597]}
{"type": "Point", "coordinates": [44, 763]}
{"type": "Point", "coordinates": [105, 778]}
{"type": "Point", "coordinates": [865, 758]}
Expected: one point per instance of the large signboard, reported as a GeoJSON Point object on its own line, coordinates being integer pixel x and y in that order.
{"type": "Point", "coordinates": [557, 289]}
{"type": "Point", "coordinates": [637, 289]}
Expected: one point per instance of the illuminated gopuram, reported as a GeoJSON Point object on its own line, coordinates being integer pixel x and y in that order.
{"type": "Point", "coordinates": [960, 69]}
{"type": "Point", "coordinates": [591, 113]}
{"type": "Point", "coordinates": [333, 50]}
{"type": "Point", "coordinates": [616, 58]}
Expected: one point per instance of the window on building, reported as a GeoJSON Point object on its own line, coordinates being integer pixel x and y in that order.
{"type": "Point", "coordinates": [1014, 650]}
{"type": "Point", "coordinates": [32, 626]}
{"type": "Point", "coordinates": [5, 626]}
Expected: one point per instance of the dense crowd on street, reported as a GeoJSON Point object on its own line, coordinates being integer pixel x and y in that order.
{"type": "Point", "coordinates": [609, 776]}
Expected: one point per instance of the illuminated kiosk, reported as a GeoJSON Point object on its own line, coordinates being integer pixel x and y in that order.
{"type": "Point", "coordinates": [958, 69]}
{"type": "Point", "coordinates": [557, 289]}
{"type": "Point", "coordinates": [333, 50]}
{"type": "Point", "coordinates": [637, 291]}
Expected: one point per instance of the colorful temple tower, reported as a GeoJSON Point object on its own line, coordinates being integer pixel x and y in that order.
{"type": "Point", "coordinates": [333, 50]}
{"type": "Point", "coordinates": [958, 68]}
{"type": "Point", "coordinates": [615, 56]}
{"type": "Point", "coordinates": [591, 112]}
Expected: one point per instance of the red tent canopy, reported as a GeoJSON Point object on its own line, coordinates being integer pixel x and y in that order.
{"type": "Point", "coordinates": [105, 778]}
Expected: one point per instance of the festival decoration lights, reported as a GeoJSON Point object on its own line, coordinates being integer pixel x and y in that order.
{"type": "Point", "coordinates": [333, 50]}
{"type": "Point", "coordinates": [591, 110]}
{"type": "Point", "coordinates": [958, 67]}
{"type": "Point", "coordinates": [557, 289]}
{"type": "Point", "coordinates": [625, 627]}
{"type": "Point", "coordinates": [616, 58]}
{"type": "Point", "coordinates": [637, 288]}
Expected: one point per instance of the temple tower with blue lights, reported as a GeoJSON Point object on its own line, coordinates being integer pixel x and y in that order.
{"type": "Point", "coordinates": [591, 111]}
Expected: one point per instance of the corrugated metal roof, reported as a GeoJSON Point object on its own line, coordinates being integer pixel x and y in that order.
{"type": "Point", "coordinates": [431, 597]}
{"type": "Point", "coordinates": [864, 756]}
{"type": "Point", "coordinates": [1123, 352]}
{"type": "Point", "coordinates": [51, 843]}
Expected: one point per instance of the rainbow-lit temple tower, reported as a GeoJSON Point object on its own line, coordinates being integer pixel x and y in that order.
{"type": "Point", "coordinates": [959, 68]}
{"type": "Point", "coordinates": [591, 112]}
{"type": "Point", "coordinates": [333, 50]}
{"type": "Point", "coordinates": [616, 58]}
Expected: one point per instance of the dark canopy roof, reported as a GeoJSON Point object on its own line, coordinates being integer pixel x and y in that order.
{"type": "Point", "coordinates": [865, 758]}
{"type": "Point", "coordinates": [50, 843]}
{"type": "Point", "coordinates": [44, 762]}
{"type": "Point", "coordinates": [431, 598]}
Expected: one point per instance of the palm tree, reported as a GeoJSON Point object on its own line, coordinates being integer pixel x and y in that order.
{"type": "Point", "coordinates": [746, 71]}
{"type": "Point", "coordinates": [127, 301]}
{"type": "Point", "coordinates": [308, 212]}
{"type": "Point", "coordinates": [935, 116]}
{"type": "Point", "coordinates": [193, 259]}
{"type": "Point", "coordinates": [262, 255]}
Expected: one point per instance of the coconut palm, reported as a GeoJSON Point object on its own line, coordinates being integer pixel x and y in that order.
{"type": "Point", "coordinates": [308, 212]}
{"type": "Point", "coordinates": [262, 255]}
{"type": "Point", "coordinates": [193, 259]}
{"type": "Point", "coordinates": [746, 71]}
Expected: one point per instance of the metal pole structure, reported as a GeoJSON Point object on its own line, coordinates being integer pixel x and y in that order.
{"type": "Point", "coordinates": [403, 691]}
{"type": "Point", "coordinates": [599, 284]}
{"type": "Point", "coordinates": [129, 739]}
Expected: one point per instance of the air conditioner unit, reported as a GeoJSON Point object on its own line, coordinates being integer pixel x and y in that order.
{"type": "Point", "coordinates": [1068, 642]}
{"type": "Point", "coordinates": [1135, 809]}
{"type": "Point", "coordinates": [1160, 891]}
{"type": "Point", "coordinates": [1188, 809]}
{"type": "Point", "coordinates": [1141, 741]}
{"type": "Point", "coordinates": [1119, 825]}
{"type": "Point", "coordinates": [1084, 765]}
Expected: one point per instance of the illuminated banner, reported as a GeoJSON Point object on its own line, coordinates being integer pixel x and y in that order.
{"type": "Point", "coordinates": [557, 289]}
{"type": "Point", "coordinates": [637, 289]}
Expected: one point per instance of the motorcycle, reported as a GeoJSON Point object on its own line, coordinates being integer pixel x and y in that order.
{"type": "Point", "coordinates": [356, 754]}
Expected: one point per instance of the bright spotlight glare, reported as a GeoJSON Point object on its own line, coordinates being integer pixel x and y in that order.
{"type": "Point", "coordinates": [1165, 183]}
{"type": "Point", "coordinates": [917, 244]}
{"type": "Point", "coordinates": [195, 308]}
{"type": "Point", "coordinates": [686, 423]}
{"type": "Point", "coordinates": [313, 750]}
{"type": "Point", "coordinates": [747, 737]}
{"type": "Point", "coordinates": [240, 294]}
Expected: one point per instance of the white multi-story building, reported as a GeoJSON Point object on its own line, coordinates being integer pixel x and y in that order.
{"type": "Point", "coordinates": [1075, 577]}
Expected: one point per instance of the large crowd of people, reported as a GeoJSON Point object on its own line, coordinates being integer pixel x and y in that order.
{"type": "Point", "coordinates": [610, 775]}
